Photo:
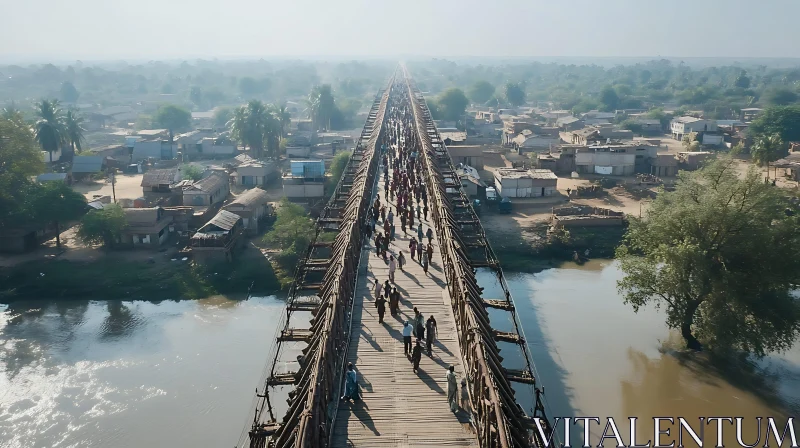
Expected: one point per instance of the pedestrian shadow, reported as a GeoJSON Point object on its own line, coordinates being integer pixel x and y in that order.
{"type": "Point", "coordinates": [361, 411]}
{"type": "Point", "coordinates": [429, 381]}
{"type": "Point", "coordinates": [442, 347]}
{"type": "Point", "coordinates": [440, 361]}
{"type": "Point", "coordinates": [368, 336]}
{"type": "Point", "coordinates": [412, 278]}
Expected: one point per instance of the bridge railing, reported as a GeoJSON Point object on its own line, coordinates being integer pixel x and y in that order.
{"type": "Point", "coordinates": [499, 420]}
{"type": "Point", "coordinates": [306, 422]}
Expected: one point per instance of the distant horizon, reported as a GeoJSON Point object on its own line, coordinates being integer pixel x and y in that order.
{"type": "Point", "coordinates": [63, 61]}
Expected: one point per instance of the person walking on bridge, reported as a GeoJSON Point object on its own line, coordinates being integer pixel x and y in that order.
{"type": "Point", "coordinates": [407, 338]}
{"type": "Point", "coordinates": [419, 232]}
{"type": "Point", "coordinates": [377, 289]}
{"type": "Point", "coordinates": [394, 302]}
{"type": "Point", "coordinates": [429, 234]}
{"type": "Point", "coordinates": [452, 389]}
{"type": "Point", "coordinates": [430, 328]}
{"type": "Point", "coordinates": [351, 384]}
{"type": "Point", "coordinates": [416, 356]}
{"type": "Point", "coordinates": [392, 268]}
{"type": "Point", "coordinates": [380, 304]}
{"type": "Point", "coordinates": [401, 260]}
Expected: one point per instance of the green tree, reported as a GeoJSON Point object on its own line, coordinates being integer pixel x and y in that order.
{"type": "Point", "coordinates": [172, 117]}
{"type": "Point", "coordinates": [719, 255]}
{"type": "Point", "coordinates": [514, 93]}
{"type": "Point", "coordinates": [291, 234]}
{"type": "Point", "coordinates": [73, 126]}
{"type": "Point", "coordinates": [631, 125]}
{"type": "Point", "coordinates": [742, 81]}
{"type": "Point", "coordinates": [56, 203]}
{"type": "Point", "coordinates": [321, 106]}
{"type": "Point", "coordinates": [284, 118]}
{"type": "Point", "coordinates": [222, 116]}
{"type": "Point", "coordinates": [256, 127]}
{"type": "Point", "coordinates": [20, 158]}
{"type": "Point", "coordinates": [192, 172]}
{"type": "Point", "coordinates": [481, 92]}
{"type": "Point", "coordinates": [49, 130]}
{"type": "Point", "coordinates": [780, 96]}
{"type": "Point", "coordinates": [452, 104]}
{"type": "Point", "coordinates": [338, 164]}
{"type": "Point", "coordinates": [768, 148]}
{"type": "Point", "coordinates": [609, 100]}
{"type": "Point", "coordinates": [781, 120]}
{"type": "Point", "coordinates": [68, 92]}
{"type": "Point", "coordinates": [103, 226]}
{"type": "Point", "coordinates": [13, 113]}
{"type": "Point", "coordinates": [690, 142]}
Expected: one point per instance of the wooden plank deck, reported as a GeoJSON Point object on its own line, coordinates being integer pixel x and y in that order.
{"type": "Point", "coordinates": [401, 408]}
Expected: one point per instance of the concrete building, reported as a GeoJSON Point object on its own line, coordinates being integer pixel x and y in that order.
{"type": "Point", "coordinates": [605, 160]}
{"type": "Point", "coordinates": [148, 228]}
{"type": "Point", "coordinates": [86, 166]}
{"type": "Point", "coordinates": [153, 149]}
{"type": "Point", "coordinates": [467, 154]}
{"type": "Point", "coordinates": [649, 126]}
{"type": "Point", "coordinates": [750, 113]}
{"type": "Point", "coordinates": [569, 123]}
{"type": "Point", "coordinates": [163, 186]}
{"type": "Point", "coordinates": [561, 160]}
{"type": "Point", "coordinates": [685, 125]}
{"type": "Point", "coordinates": [471, 181]}
{"type": "Point", "coordinates": [253, 173]}
{"type": "Point", "coordinates": [208, 191]}
{"type": "Point", "coordinates": [252, 206]}
{"type": "Point", "coordinates": [527, 142]}
{"type": "Point", "coordinates": [305, 180]}
{"type": "Point", "coordinates": [518, 183]}
{"type": "Point", "coordinates": [664, 165]}
{"type": "Point", "coordinates": [692, 160]}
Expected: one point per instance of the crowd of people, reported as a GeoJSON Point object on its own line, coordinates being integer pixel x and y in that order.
{"type": "Point", "coordinates": [404, 202]}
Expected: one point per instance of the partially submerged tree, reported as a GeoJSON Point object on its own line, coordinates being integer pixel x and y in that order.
{"type": "Point", "coordinates": [103, 226]}
{"type": "Point", "coordinates": [719, 254]}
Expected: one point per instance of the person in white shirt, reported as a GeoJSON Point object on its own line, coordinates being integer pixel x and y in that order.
{"type": "Point", "coordinates": [407, 338]}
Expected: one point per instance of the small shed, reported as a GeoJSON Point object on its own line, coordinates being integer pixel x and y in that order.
{"type": "Point", "coordinates": [51, 177]}
{"type": "Point", "coordinates": [664, 165]}
{"type": "Point", "coordinates": [84, 165]}
{"type": "Point", "coordinates": [519, 183]}
{"type": "Point", "coordinates": [218, 239]}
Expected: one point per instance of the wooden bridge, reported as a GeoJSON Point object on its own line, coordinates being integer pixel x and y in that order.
{"type": "Point", "coordinates": [330, 318]}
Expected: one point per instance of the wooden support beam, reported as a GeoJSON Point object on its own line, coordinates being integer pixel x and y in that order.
{"type": "Point", "coordinates": [520, 376]}
{"type": "Point", "coordinates": [503, 336]}
{"type": "Point", "coordinates": [296, 335]}
{"type": "Point", "coordinates": [498, 304]}
{"type": "Point", "coordinates": [303, 305]}
{"type": "Point", "coordinates": [309, 287]}
{"type": "Point", "coordinates": [282, 379]}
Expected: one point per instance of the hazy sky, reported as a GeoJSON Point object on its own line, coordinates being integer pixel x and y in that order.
{"type": "Point", "coordinates": [150, 29]}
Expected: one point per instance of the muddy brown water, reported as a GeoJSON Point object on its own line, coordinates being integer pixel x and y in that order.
{"type": "Point", "coordinates": [132, 374]}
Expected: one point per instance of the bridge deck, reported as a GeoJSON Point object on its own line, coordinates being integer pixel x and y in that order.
{"type": "Point", "coordinates": [401, 408]}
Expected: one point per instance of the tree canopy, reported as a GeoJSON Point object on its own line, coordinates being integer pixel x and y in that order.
{"type": "Point", "coordinates": [719, 255]}
{"type": "Point", "coordinates": [172, 117]}
{"type": "Point", "coordinates": [781, 120]}
{"type": "Point", "coordinates": [50, 129]}
{"type": "Point", "coordinates": [609, 100]}
{"type": "Point", "coordinates": [481, 92]}
{"type": "Point", "coordinates": [103, 226]}
{"type": "Point", "coordinates": [56, 203]}
{"type": "Point", "coordinates": [515, 93]}
{"type": "Point", "coordinates": [767, 149]}
{"type": "Point", "coordinates": [338, 164]}
{"type": "Point", "coordinates": [452, 104]}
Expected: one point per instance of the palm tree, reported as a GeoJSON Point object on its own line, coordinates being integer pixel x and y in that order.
{"type": "Point", "coordinates": [50, 131]}
{"type": "Point", "coordinates": [255, 126]}
{"type": "Point", "coordinates": [73, 124]}
{"type": "Point", "coordinates": [321, 106]}
{"type": "Point", "coordinates": [284, 118]}
{"type": "Point", "coordinates": [766, 149]}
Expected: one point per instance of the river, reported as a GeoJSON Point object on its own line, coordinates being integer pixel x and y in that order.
{"type": "Point", "coordinates": [132, 374]}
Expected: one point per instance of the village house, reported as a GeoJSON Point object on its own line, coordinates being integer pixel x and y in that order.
{"type": "Point", "coordinates": [467, 154]}
{"type": "Point", "coordinates": [569, 123]}
{"type": "Point", "coordinates": [452, 136]}
{"type": "Point", "coordinates": [163, 186]}
{"type": "Point", "coordinates": [693, 160]}
{"type": "Point", "coordinates": [24, 238]}
{"type": "Point", "coordinates": [218, 239]}
{"type": "Point", "coordinates": [606, 160]}
{"type": "Point", "coordinates": [750, 113]}
{"type": "Point", "coordinates": [649, 126]}
{"type": "Point", "coordinates": [151, 144]}
{"type": "Point", "coordinates": [552, 117]}
{"type": "Point", "coordinates": [596, 117]}
{"type": "Point", "coordinates": [527, 142]}
{"type": "Point", "coordinates": [471, 181]}
{"type": "Point", "coordinates": [85, 166]}
{"type": "Point", "coordinates": [685, 125]}
{"type": "Point", "coordinates": [561, 160]}
{"type": "Point", "coordinates": [664, 165]}
{"type": "Point", "coordinates": [252, 206]}
{"type": "Point", "coordinates": [519, 183]}
{"type": "Point", "coordinates": [147, 228]}
{"type": "Point", "coordinates": [306, 179]}
{"type": "Point", "coordinates": [212, 189]}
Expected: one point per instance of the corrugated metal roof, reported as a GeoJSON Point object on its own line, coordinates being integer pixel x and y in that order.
{"type": "Point", "coordinates": [224, 220]}
{"type": "Point", "coordinates": [250, 198]}
{"type": "Point", "coordinates": [210, 183]}
{"type": "Point", "coordinates": [159, 177]}
{"type": "Point", "coordinates": [51, 177]}
{"type": "Point", "coordinates": [139, 216]}
{"type": "Point", "coordinates": [87, 164]}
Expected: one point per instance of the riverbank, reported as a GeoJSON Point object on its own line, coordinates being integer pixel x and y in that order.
{"type": "Point", "coordinates": [120, 278]}
{"type": "Point", "coordinates": [530, 250]}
